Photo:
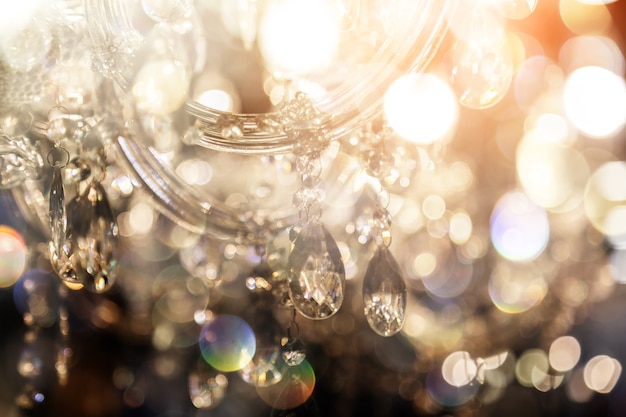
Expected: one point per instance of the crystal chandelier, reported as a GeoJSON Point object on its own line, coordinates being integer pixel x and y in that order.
{"type": "Point", "coordinates": [275, 206]}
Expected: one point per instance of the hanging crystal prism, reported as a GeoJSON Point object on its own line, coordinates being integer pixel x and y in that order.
{"type": "Point", "coordinates": [58, 158]}
{"type": "Point", "coordinates": [91, 238]}
{"type": "Point", "coordinates": [384, 294]}
{"type": "Point", "coordinates": [316, 273]}
{"type": "Point", "coordinates": [292, 349]}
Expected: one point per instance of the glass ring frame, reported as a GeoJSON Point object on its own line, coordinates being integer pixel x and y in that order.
{"type": "Point", "coordinates": [349, 105]}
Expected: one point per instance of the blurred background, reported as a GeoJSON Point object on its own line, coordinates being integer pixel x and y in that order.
{"type": "Point", "coordinates": [500, 174]}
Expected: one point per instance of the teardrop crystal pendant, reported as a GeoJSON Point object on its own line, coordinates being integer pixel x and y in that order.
{"type": "Point", "coordinates": [384, 294]}
{"type": "Point", "coordinates": [316, 273]}
{"type": "Point", "coordinates": [92, 237]}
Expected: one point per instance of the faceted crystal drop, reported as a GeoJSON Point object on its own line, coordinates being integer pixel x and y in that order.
{"type": "Point", "coordinates": [92, 236]}
{"type": "Point", "coordinates": [59, 258]}
{"type": "Point", "coordinates": [384, 294]}
{"type": "Point", "coordinates": [293, 352]}
{"type": "Point", "coordinates": [316, 273]}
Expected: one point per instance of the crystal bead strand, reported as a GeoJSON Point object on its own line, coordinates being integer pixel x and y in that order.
{"type": "Point", "coordinates": [316, 273]}
{"type": "Point", "coordinates": [384, 289]}
{"type": "Point", "coordinates": [292, 349]}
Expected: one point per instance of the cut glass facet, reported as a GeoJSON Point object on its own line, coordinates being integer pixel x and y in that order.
{"type": "Point", "coordinates": [91, 239]}
{"type": "Point", "coordinates": [384, 294]}
{"type": "Point", "coordinates": [316, 273]}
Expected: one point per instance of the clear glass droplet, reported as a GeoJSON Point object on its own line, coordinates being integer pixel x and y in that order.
{"type": "Point", "coordinates": [384, 294]}
{"type": "Point", "coordinates": [316, 273]}
{"type": "Point", "coordinates": [91, 240]}
{"type": "Point", "coordinates": [293, 352]}
{"type": "Point", "coordinates": [206, 389]}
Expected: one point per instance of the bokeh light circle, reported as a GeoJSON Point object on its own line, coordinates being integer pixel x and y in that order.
{"type": "Point", "coordinates": [35, 293]}
{"type": "Point", "coordinates": [290, 39]}
{"type": "Point", "coordinates": [227, 343]}
{"type": "Point", "coordinates": [601, 373]}
{"type": "Point", "coordinates": [293, 389]}
{"type": "Point", "coordinates": [459, 369]}
{"type": "Point", "coordinates": [564, 353]}
{"type": "Point", "coordinates": [532, 367]}
{"type": "Point", "coordinates": [12, 256]}
{"type": "Point", "coordinates": [605, 199]}
{"type": "Point", "coordinates": [551, 173]}
{"type": "Point", "coordinates": [449, 395]}
{"type": "Point", "coordinates": [520, 229]}
{"type": "Point", "coordinates": [595, 101]}
{"type": "Point", "coordinates": [421, 108]}
{"type": "Point", "coordinates": [516, 290]}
